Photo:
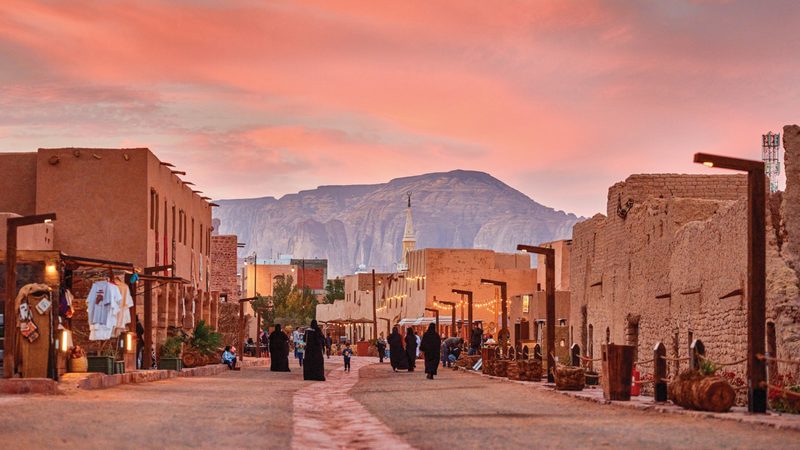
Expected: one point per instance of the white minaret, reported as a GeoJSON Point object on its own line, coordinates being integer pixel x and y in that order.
{"type": "Point", "coordinates": [409, 238]}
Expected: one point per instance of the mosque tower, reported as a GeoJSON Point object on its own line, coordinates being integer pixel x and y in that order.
{"type": "Point", "coordinates": [409, 238]}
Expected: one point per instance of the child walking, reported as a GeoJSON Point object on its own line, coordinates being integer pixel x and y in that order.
{"type": "Point", "coordinates": [347, 353]}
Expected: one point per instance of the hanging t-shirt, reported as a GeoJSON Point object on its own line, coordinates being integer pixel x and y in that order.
{"type": "Point", "coordinates": [124, 314]}
{"type": "Point", "coordinates": [103, 303]}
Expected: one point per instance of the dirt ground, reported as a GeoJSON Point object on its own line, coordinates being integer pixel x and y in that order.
{"type": "Point", "coordinates": [466, 411]}
{"type": "Point", "coordinates": [251, 408]}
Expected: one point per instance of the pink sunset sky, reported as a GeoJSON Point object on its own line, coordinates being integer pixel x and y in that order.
{"type": "Point", "coordinates": [558, 99]}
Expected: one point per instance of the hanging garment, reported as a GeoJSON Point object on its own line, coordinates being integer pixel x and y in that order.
{"type": "Point", "coordinates": [103, 303]}
{"type": "Point", "coordinates": [124, 314]}
{"type": "Point", "coordinates": [34, 352]}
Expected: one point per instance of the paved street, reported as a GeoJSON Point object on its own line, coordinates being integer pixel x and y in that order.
{"type": "Point", "coordinates": [368, 408]}
{"type": "Point", "coordinates": [468, 411]}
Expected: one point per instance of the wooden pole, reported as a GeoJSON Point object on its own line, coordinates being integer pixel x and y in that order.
{"type": "Point", "coordinates": [258, 333]}
{"type": "Point", "coordinates": [241, 330]}
{"type": "Point", "coordinates": [756, 272]}
{"type": "Point", "coordinates": [10, 316]}
{"type": "Point", "coordinates": [469, 308]}
{"type": "Point", "coordinates": [756, 289]}
{"type": "Point", "coordinates": [148, 325]}
{"type": "Point", "coordinates": [374, 308]}
{"type": "Point", "coordinates": [550, 299]}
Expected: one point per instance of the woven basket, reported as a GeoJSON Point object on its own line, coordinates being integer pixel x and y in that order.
{"type": "Point", "coordinates": [569, 378]}
{"type": "Point", "coordinates": [78, 364]}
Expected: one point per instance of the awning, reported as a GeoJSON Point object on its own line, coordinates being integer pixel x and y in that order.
{"type": "Point", "coordinates": [443, 320]}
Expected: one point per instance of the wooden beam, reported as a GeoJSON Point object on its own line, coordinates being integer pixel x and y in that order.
{"type": "Point", "coordinates": [733, 293]}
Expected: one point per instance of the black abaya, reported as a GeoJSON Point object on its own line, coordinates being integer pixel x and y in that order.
{"type": "Point", "coordinates": [314, 363]}
{"type": "Point", "coordinates": [278, 351]}
{"type": "Point", "coordinates": [397, 356]}
{"type": "Point", "coordinates": [411, 349]}
{"type": "Point", "coordinates": [431, 345]}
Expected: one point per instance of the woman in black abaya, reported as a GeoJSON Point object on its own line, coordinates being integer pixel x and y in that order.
{"type": "Point", "coordinates": [431, 346]}
{"type": "Point", "coordinates": [278, 350]}
{"type": "Point", "coordinates": [411, 349]}
{"type": "Point", "coordinates": [314, 363]}
{"type": "Point", "coordinates": [397, 356]}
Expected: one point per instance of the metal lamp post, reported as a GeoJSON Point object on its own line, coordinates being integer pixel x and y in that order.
{"type": "Point", "coordinates": [756, 272]}
{"type": "Point", "coordinates": [550, 300]}
{"type": "Point", "coordinates": [503, 335]}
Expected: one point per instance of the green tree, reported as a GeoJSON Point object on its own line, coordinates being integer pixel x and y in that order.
{"type": "Point", "coordinates": [334, 290]}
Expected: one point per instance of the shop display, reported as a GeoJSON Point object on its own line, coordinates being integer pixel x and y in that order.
{"type": "Point", "coordinates": [33, 311]}
{"type": "Point", "coordinates": [108, 309]}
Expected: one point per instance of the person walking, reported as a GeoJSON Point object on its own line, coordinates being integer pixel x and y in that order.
{"type": "Point", "coordinates": [347, 353]}
{"type": "Point", "coordinates": [264, 342]}
{"type": "Point", "coordinates": [381, 345]}
{"type": "Point", "coordinates": [397, 356]}
{"type": "Point", "coordinates": [278, 350]}
{"type": "Point", "coordinates": [314, 368]}
{"type": "Point", "coordinates": [431, 347]}
{"type": "Point", "coordinates": [411, 349]}
{"type": "Point", "coordinates": [476, 339]}
{"type": "Point", "coordinates": [299, 350]}
{"type": "Point", "coordinates": [328, 345]}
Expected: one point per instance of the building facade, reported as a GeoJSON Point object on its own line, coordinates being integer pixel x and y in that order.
{"type": "Point", "coordinates": [122, 205]}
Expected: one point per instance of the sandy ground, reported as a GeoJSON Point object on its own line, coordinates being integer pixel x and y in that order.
{"type": "Point", "coordinates": [251, 408]}
{"type": "Point", "coordinates": [465, 411]}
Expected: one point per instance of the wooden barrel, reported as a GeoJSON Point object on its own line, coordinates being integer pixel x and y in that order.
{"type": "Point", "coordinates": [79, 364]}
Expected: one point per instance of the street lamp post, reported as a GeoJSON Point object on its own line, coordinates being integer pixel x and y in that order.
{"type": "Point", "coordinates": [550, 300]}
{"type": "Point", "coordinates": [9, 315]}
{"type": "Point", "coordinates": [756, 272]}
{"type": "Point", "coordinates": [503, 335]}
{"type": "Point", "coordinates": [463, 292]}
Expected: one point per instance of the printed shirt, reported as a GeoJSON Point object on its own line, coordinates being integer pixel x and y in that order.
{"type": "Point", "coordinates": [347, 352]}
{"type": "Point", "coordinates": [103, 303]}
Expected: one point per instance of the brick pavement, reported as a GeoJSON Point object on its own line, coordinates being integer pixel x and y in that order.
{"type": "Point", "coordinates": [325, 416]}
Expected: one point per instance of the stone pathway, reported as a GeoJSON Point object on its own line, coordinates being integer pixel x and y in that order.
{"type": "Point", "coordinates": [325, 416]}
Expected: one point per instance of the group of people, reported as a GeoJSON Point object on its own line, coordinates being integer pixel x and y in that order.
{"type": "Point", "coordinates": [404, 357]}
{"type": "Point", "coordinates": [313, 348]}
{"type": "Point", "coordinates": [403, 352]}
{"type": "Point", "coordinates": [311, 345]}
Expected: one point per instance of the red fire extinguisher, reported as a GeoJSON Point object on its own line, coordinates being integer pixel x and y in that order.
{"type": "Point", "coordinates": [635, 387]}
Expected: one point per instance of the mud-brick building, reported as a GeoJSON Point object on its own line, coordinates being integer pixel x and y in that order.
{"type": "Point", "coordinates": [668, 263]}
{"type": "Point", "coordinates": [123, 205]}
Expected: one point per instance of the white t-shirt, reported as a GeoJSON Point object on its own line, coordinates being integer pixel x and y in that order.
{"type": "Point", "coordinates": [103, 303]}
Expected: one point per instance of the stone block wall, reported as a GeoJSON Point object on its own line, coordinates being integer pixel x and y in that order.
{"type": "Point", "coordinates": [669, 263]}
{"type": "Point", "coordinates": [223, 276]}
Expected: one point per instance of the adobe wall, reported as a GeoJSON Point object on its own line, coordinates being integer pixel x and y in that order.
{"type": "Point", "coordinates": [674, 265]}
{"type": "Point", "coordinates": [224, 279]}
{"type": "Point", "coordinates": [627, 268]}
{"type": "Point", "coordinates": [18, 183]}
{"type": "Point", "coordinates": [99, 198]}
{"type": "Point", "coordinates": [563, 249]}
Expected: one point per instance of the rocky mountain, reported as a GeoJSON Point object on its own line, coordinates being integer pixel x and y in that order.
{"type": "Point", "coordinates": [363, 224]}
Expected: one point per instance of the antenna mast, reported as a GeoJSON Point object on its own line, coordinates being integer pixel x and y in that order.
{"type": "Point", "coordinates": [770, 154]}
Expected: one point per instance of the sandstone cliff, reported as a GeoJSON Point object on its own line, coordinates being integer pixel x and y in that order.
{"type": "Point", "coordinates": [363, 224]}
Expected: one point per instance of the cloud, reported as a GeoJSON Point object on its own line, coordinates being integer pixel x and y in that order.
{"type": "Point", "coordinates": [558, 98]}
